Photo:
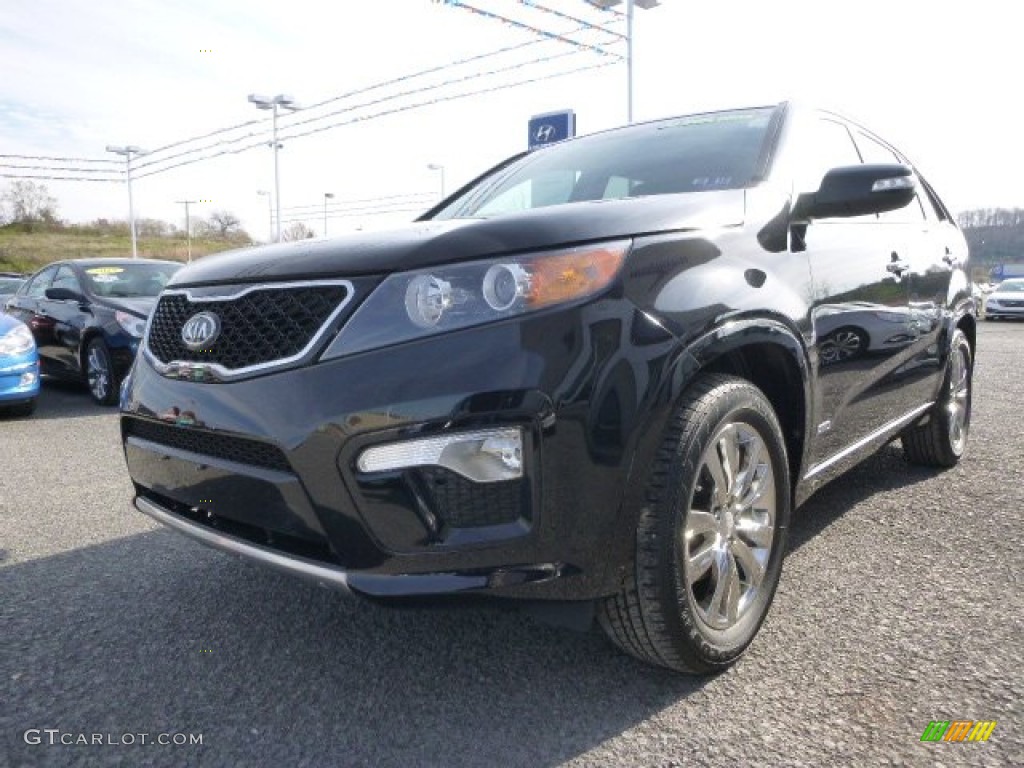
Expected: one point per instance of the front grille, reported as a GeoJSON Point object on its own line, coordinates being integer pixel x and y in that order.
{"type": "Point", "coordinates": [1014, 304]}
{"type": "Point", "coordinates": [238, 449]}
{"type": "Point", "coordinates": [256, 327]}
{"type": "Point", "coordinates": [461, 503]}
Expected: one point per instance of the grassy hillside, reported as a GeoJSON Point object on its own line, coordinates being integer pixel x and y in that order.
{"type": "Point", "coordinates": [28, 251]}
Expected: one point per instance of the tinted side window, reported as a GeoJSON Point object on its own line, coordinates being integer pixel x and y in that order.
{"type": "Point", "coordinates": [829, 145]}
{"type": "Point", "coordinates": [36, 288]}
{"type": "Point", "coordinates": [875, 152]}
{"type": "Point", "coordinates": [66, 278]}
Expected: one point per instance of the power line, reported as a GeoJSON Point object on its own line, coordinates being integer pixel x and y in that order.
{"type": "Point", "coordinates": [58, 159]}
{"type": "Point", "coordinates": [373, 102]}
{"type": "Point", "coordinates": [567, 17]}
{"type": "Point", "coordinates": [396, 110]}
{"type": "Point", "coordinates": [56, 178]}
{"type": "Point", "coordinates": [319, 206]}
{"type": "Point", "coordinates": [529, 28]}
{"type": "Point", "coordinates": [58, 168]}
{"type": "Point", "coordinates": [341, 97]}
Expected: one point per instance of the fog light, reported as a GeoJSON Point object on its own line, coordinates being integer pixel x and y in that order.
{"type": "Point", "coordinates": [485, 456]}
{"type": "Point", "coordinates": [28, 379]}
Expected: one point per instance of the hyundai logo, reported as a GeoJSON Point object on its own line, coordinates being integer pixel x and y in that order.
{"type": "Point", "coordinates": [200, 331]}
{"type": "Point", "coordinates": [544, 133]}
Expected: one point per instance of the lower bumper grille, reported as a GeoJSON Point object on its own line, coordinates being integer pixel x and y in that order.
{"type": "Point", "coordinates": [461, 503]}
{"type": "Point", "coordinates": [227, 447]}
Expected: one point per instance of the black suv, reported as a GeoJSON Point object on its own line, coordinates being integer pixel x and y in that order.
{"type": "Point", "coordinates": [602, 374]}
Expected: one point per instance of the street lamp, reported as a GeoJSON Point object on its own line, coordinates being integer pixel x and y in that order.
{"type": "Point", "coordinates": [270, 212]}
{"type": "Point", "coordinates": [327, 196]}
{"type": "Point", "coordinates": [646, 5]}
{"type": "Point", "coordinates": [436, 167]}
{"type": "Point", "coordinates": [128, 151]}
{"type": "Point", "coordinates": [285, 102]}
{"type": "Point", "coordinates": [188, 227]}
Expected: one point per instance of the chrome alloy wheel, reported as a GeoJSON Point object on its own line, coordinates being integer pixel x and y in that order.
{"type": "Point", "coordinates": [98, 373]}
{"type": "Point", "coordinates": [959, 398]}
{"type": "Point", "coordinates": [730, 525]}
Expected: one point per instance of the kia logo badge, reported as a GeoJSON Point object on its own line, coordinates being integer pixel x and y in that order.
{"type": "Point", "coordinates": [200, 331]}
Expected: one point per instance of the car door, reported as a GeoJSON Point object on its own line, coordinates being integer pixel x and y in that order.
{"type": "Point", "coordinates": [860, 317]}
{"type": "Point", "coordinates": [930, 253]}
{"type": "Point", "coordinates": [26, 307]}
{"type": "Point", "coordinates": [69, 318]}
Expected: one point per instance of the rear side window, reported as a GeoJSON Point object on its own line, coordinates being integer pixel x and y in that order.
{"type": "Point", "coordinates": [699, 153]}
{"type": "Point", "coordinates": [36, 289]}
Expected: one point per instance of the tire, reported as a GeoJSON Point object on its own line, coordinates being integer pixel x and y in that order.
{"type": "Point", "coordinates": [941, 440]}
{"type": "Point", "coordinates": [667, 614]}
{"type": "Point", "coordinates": [99, 373]}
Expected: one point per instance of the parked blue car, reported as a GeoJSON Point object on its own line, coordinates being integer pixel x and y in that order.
{"type": "Point", "coordinates": [19, 367]}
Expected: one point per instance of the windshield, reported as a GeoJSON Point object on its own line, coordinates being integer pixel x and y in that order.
{"type": "Point", "coordinates": [698, 153]}
{"type": "Point", "coordinates": [10, 284]}
{"type": "Point", "coordinates": [1011, 286]}
{"type": "Point", "coordinates": [129, 281]}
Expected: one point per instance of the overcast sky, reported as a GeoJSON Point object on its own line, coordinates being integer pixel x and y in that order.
{"type": "Point", "coordinates": [935, 79]}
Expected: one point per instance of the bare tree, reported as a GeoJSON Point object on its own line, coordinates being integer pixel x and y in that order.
{"type": "Point", "coordinates": [224, 223]}
{"type": "Point", "coordinates": [297, 231]}
{"type": "Point", "coordinates": [28, 203]}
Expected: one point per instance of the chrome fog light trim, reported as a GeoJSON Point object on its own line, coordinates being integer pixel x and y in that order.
{"type": "Point", "coordinates": [483, 456]}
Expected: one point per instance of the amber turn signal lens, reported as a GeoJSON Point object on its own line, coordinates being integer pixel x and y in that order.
{"type": "Point", "coordinates": [573, 275]}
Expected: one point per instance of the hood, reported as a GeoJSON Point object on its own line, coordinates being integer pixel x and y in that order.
{"type": "Point", "coordinates": [429, 243]}
{"type": "Point", "coordinates": [140, 306]}
{"type": "Point", "coordinates": [8, 323]}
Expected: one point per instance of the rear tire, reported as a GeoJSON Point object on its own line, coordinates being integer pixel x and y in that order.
{"type": "Point", "coordinates": [942, 439]}
{"type": "Point", "coordinates": [711, 534]}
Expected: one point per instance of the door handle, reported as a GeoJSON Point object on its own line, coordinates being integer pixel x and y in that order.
{"type": "Point", "coordinates": [949, 258]}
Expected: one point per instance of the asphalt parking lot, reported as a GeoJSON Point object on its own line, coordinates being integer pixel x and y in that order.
{"type": "Point", "coordinates": [901, 602]}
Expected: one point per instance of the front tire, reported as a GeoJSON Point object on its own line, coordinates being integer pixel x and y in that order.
{"type": "Point", "coordinates": [942, 439]}
{"type": "Point", "coordinates": [711, 534]}
{"type": "Point", "coordinates": [99, 373]}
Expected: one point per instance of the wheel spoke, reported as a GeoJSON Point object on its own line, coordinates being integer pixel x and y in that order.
{"type": "Point", "coordinates": [756, 533]}
{"type": "Point", "coordinates": [700, 523]}
{"type": "Point", "coordinates": [718, 476]}
{"type": "Point", "coordinates": [726, 598]}
{"type": "Point", "coordinates": [753, 449]}
{"type": "Point", "coordinates": [747, 559]}
{"type": "Point", "coordinates": [698, 563]}
{"type": "Point", "coordinates": [729, 449]}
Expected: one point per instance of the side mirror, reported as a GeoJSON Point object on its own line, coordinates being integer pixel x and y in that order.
{"type": "Point", "coordinates": [63, 294]}
{"type": "Point", "coordinates": [856, 190]}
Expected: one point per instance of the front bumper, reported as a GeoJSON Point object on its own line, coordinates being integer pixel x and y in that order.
{"type": "Point", "coordinates": [267, 467]}
{"type": "Point", "coordinates": [19, 379]}
{"type": "Point", "coordinates": [1002, 310]}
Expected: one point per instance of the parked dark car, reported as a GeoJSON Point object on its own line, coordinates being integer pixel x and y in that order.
{"type": "Point", "coordinates": [88, 316]}
{"type": "Point", "coordinates": [592, 379]}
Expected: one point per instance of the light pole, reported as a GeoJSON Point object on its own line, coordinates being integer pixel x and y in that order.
{"type": "Point", "coordinates": [188, 226]}
{"type": "Point", "coordinates": [128, 151]}
{"type": "Point", "coordinates": [285, 102]}
{"type": "Point", "coordinates": [437, 167]}
{"type": "Point", "coordinates": [645, 4]}
{"type": "Point", "coordinates": [270, 212]}
{"type": "Point", "coordinates": [327, 196]}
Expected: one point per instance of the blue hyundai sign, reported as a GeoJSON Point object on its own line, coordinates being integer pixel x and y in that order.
{"type": "Point", "coordinates": [551, 127]}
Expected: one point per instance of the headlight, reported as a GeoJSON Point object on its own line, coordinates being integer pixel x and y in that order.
{"type": "Point", "coordinates": [132, 325]}
{"type": "Point", "coordinates": [411, 305]}
{"type": "Point", "coordinates": [17, 341]}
